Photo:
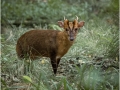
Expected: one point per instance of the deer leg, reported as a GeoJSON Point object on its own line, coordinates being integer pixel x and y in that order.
{"type": "Point", "coordinates": [58, 61]}
{"type": "Point", "coordinates": [54, 65]}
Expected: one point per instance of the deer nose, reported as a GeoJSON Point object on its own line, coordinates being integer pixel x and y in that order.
{"type": "Point", "coordinates": [71, 38]}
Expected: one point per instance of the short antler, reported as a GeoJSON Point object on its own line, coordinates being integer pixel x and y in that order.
{"type": "Point", "coordinates": [77, 18]}
{"type": "Point", "coordinates": [64, 18]}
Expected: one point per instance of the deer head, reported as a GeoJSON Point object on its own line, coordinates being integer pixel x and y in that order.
{"type": "Point", "coordinates": [71, 28]}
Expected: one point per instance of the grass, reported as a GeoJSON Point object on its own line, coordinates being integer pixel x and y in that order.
{"type": "Point", "coordinates": [82, 68]}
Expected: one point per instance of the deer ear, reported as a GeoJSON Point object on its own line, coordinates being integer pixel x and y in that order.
{"type": "Point", "coordinates": [61, 24]}
{"type": "Point", "coordinates": [81, 24]}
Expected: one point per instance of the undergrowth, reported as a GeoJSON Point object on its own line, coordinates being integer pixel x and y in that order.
{"type": "Point", "coordinates": [86, 66]}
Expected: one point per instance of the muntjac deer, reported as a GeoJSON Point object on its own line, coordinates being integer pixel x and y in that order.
{"type": "Point", "coordinates": [49, 43]}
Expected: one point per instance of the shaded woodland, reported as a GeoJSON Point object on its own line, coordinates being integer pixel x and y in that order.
{"type": "Point", "coordinates": [92, 63]}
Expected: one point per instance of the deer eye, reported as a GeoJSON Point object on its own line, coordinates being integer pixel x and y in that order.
{"type": "Point", "coordinates": [67, 29]}
{"type": "Point", "coordinates": [76, 29]}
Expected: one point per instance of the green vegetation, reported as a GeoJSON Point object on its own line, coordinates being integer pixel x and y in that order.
{"type": "Point", "coordinates": [92, 63]}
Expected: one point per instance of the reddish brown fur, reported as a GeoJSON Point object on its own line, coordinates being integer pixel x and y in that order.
{"type": "Point", "coordinates": [49, 43]}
